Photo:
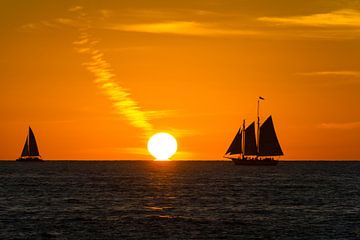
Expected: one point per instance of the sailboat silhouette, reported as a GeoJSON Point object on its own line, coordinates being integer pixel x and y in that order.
{"type": "Point", "coordinates": [249, 148]}
{"type": "Point", "coordinates": [30, 152]}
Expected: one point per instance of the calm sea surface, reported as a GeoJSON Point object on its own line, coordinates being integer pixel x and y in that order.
{"type": "Point", "coordinates": [179, 200]}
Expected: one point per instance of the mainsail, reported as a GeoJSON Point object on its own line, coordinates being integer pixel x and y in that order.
{"type": "Point", "coordinates": [250, 140]}
{"type": "Point", "coordinates": [235, 147]}
{"type": "Point", "coordinates": [268, 142]}
{"type": "Point", "coordinates": [25, 151]}
{"type": "Point", "coordinates": [33, 149]}
{"type": "Point", "coordinates": [30, 148]}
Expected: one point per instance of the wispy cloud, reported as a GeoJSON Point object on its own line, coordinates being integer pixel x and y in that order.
{"type": "Point", "coordinates": [332, 73]}
{"type": "Point", "coordinates": [105, 79]}
{"type": "Point", "coordinates": [341, 126]}
{"type": "Point", "coordinates": [181, 28]}
{"type": "Point", "coordinates": [167, 14]}
{"type": "Point", "coordinates": [30, 27]}
{"type": "Point", "coordinates": [178, 27]}
{"type": "Point", "coordinates": [331, 78]}
{"type": "Point", "coordinates": [343, 17]}
{"type": "Point", "coordinates": [76, 8]}
{"type": "Point", "coordinates": [51, 24]}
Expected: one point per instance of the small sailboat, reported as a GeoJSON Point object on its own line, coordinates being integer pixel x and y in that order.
{"type": "Point", "coordinates": [30, 152]}
{"type": "Point", "coordinates": [249, 148]}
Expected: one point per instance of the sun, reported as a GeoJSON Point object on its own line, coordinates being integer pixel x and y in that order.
{"type": "Point", "coordinates": [162, 146]}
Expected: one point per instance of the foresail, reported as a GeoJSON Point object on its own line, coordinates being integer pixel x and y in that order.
{"type": "Point", "coordinates": [250, 140]}
{"type": "Point", "coordinates": [235, 147]}
{"type": "Point", "coordinates": [25, 151]}
{"type": "Point", "coordinates": [34, 151]}
{"type": "Point", "coordinates": [268, 142]}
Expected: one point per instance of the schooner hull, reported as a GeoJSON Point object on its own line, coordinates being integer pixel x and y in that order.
{"type": "Point", "coordinates": [34, 159]}
{"type": "Point", "coordinates": [255, 162]}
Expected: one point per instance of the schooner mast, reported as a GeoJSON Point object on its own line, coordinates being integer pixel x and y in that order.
{"type": "Point", "coordinates": [258, 122]}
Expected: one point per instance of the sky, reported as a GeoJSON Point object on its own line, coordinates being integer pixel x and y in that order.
{"type": "Point", "coordinates": [95, 79]}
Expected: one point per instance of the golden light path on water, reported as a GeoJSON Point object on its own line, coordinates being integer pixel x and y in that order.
{"type": "Point", "coordinates": [162, 146]}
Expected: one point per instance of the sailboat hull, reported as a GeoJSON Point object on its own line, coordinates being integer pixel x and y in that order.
{"type": "Point", "coordinates": [29, 159]}
{"type": "Point", "coordinates": [255, 162]}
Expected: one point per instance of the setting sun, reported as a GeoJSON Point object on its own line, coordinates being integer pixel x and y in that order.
{"type": "Point", "coordinates": [162, 146]}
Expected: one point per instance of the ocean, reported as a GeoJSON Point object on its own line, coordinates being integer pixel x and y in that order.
{"type": "Point", "coordinates": [179, 200]}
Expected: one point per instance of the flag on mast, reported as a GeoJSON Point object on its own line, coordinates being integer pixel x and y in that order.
{"type": "Point", "coordinates": [261, 98]}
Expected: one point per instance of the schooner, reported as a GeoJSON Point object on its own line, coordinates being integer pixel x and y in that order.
{"type": "Point", "coordinates": [249, 148]}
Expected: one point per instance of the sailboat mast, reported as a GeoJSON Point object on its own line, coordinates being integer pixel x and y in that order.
{"type": "Point", "coordinates": [243, 141]}
{"type": "Point", "coordinates": [28, 139]}
{"type": "Point", "coordinates": [258, 123]}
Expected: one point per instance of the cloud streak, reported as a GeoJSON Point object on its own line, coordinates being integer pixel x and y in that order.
{"type": "Point", "coordinates": [332, 73]}
{"type": "Point", "coordinates": [105, 78]}
{"type": "Point", "coordinates": [340, 126]}
{"type": "Point", "coordinates": [339, 18]}
{"type": "Point", "coordinates": [181, 28]}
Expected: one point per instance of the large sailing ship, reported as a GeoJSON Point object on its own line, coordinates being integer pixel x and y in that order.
{"type": "Point", "coordinates": [249, 148]}
{"type": "Point", "coordinates": [30, 152]}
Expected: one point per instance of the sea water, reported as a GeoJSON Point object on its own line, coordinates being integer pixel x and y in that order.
{"type": "Point", "coordinates": [179, 200]}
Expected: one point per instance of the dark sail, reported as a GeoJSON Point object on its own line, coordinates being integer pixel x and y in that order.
{"type": "Point", "coordinates": [25, 151]}
{"type": "Point", "coordinates": [33, 149]}
{"type": "Point", "coordinates": [268, 142]}
{"type": "Point", "coordinates": [235, 147]}
{"type": "Point", "coordinates": [250, 140]}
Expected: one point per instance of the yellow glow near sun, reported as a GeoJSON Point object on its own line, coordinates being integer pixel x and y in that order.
{"type": "Point", "coordinates": [162, 146]}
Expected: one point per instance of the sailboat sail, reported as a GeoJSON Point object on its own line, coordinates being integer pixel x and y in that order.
{"type": "Point", "coordinates": [250, 140]}
{"type": "Point", "coordinates": [30, 152]}
{"type": "Point", "coordinates": [235, 147]}
{"type": "Point", "coordinates": [268, 142]}
{"type": "Point", "coordinates": [25, 151]}
{"type": "Point", "coordinates": [33, 149]}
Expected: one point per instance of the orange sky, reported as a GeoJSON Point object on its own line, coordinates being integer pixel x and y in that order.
{"type": "Point", "coordinates": [95, 79]}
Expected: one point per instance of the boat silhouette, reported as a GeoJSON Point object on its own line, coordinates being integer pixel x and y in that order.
{"type": "Point", "coordinates": [30, 152]}
{"type": "Point", "coordinates": [249, 148]}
